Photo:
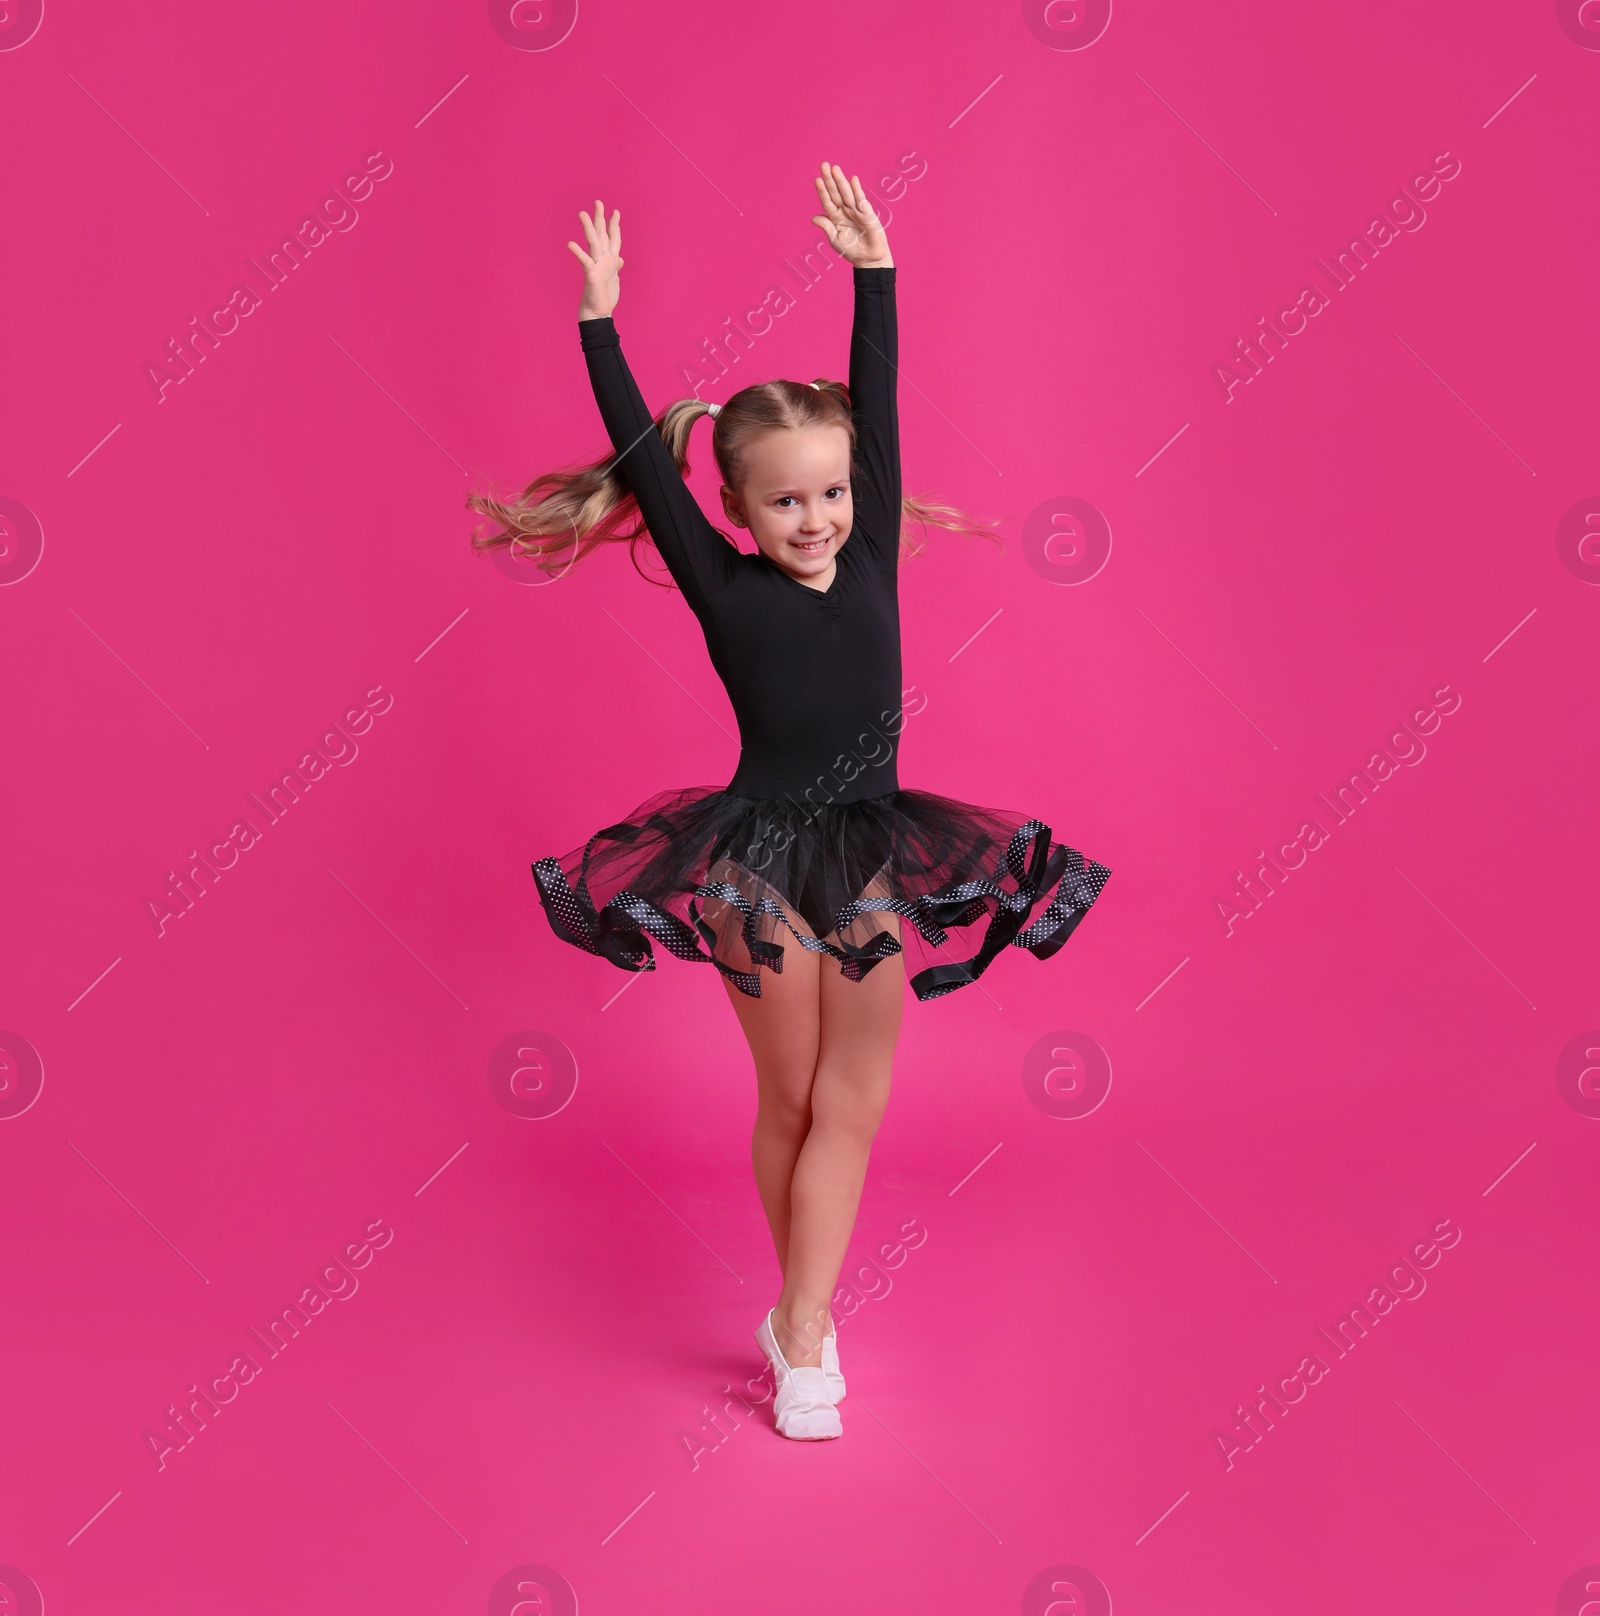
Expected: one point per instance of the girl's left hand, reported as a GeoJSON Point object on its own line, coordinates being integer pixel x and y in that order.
{"type": "Point", "coordinates": [849, 220]}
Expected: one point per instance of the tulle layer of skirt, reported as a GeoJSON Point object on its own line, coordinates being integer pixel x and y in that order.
{"type": "Point", "coordinates": [735, 881]}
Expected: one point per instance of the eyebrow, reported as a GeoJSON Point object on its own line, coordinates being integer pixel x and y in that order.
{"type": "Point", "coordinates": [838, 482]}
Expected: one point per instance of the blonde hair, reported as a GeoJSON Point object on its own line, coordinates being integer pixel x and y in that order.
{"type": "Point", "coordinates": [561, 516]}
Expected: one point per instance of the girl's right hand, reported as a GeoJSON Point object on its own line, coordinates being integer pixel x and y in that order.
{"type": "Point", "coordinates": [601, 287]}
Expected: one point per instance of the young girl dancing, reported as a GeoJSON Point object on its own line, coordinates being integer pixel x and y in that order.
{"type": "Point", "coordinates": [796, 878]}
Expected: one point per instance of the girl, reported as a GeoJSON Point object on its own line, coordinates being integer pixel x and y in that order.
{"type": "Point", "coordinates": [795, 879]}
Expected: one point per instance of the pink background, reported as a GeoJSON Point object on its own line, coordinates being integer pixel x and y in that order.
{"type": "Point", "coordinates": [226, 1107]}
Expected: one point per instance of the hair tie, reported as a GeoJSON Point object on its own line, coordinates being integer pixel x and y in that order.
{"type": "Point", "coordinates": [713, 410]}
{"type": "Point", "coordinates": [817, 385]}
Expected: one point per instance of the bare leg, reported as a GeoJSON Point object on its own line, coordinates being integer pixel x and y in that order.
{"type": "Point", "coordinates": [823, 1048]}
{"type": "Point", "coordinates": [783, 1028]}
{"type": "Point", "coordinates": [860, 1024]}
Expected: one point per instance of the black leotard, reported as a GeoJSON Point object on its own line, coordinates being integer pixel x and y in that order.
{"type": "Point", "coordinates": [813, 675]}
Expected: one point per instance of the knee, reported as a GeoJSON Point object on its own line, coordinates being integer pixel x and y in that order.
{"type": "Point", "coordinates": [785, 1105]}
{"type": "Point", "coordinates": [851, 1100]}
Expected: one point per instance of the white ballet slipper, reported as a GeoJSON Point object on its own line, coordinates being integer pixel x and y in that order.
{"type": "Point", "coordinates": [802, 1409]}
{"type": "Point", "coordinates": [830, 1366]}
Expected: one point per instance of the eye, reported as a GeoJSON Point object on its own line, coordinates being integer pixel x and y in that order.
{"type": "Point", "coordinates": [836, 490]}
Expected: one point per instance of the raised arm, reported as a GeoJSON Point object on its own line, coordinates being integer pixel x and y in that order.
{"type": "Point", "coordinates": [874, 374]}
{"type": "Point", "coordinates": [853, 228]}
{"type": "Point", "coordinates": [699, 558]}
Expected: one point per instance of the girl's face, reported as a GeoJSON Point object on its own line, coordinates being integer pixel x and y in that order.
{"type": "Point", "coordinates": [795, 498]}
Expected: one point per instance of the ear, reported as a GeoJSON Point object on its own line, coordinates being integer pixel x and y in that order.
{"type": "Point", "coordinates": [733, 506]}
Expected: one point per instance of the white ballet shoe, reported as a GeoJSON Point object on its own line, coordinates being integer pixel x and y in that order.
{"type": "Point", "coordinates": [830, 1366]}
{"type": "Point", "coordinates": [802, 1409]}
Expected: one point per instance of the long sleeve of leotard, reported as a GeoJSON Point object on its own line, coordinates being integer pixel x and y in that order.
{"type": "Point", "coordinates": [699, 558]}
{"type": "Point", "coordinates": [874, 375]}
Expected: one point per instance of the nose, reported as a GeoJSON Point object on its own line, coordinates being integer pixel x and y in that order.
{"type": "Point", "coordinates": [815, 520]}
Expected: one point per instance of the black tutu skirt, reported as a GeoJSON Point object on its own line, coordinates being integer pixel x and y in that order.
{"type": "Point", "coordinates": [735, 881]}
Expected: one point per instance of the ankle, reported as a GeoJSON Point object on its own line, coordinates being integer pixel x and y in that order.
{"type": "Point", "coordinates": [799, 1328]}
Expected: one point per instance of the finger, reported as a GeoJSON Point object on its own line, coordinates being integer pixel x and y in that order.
{"type": "Point", "coordinates": [616, 229]}
{"type": "Point", "coordinates": [588, 228]}
{"type": "Point", "coordinates": [826, 226]}
{"type": "Point", "coordinates": [828, 204]}
{"type": "Point", "coordinates": [857, 202]}
{"type": "Point", "coordinates": [835, 178]}
{"type": "Point", "coordinates": [584, 258]}
{"type": "Point", "coordinates": [828, 191]}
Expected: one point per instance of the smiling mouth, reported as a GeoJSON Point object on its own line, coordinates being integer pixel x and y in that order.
{"type": "Point", "coordinates": [811, 546]}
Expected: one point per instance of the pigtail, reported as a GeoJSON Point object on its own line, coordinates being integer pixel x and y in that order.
{"type": "Point", "coordinates": [926, 513]}
{"type": "Point", "coordinates": [564, 515]}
